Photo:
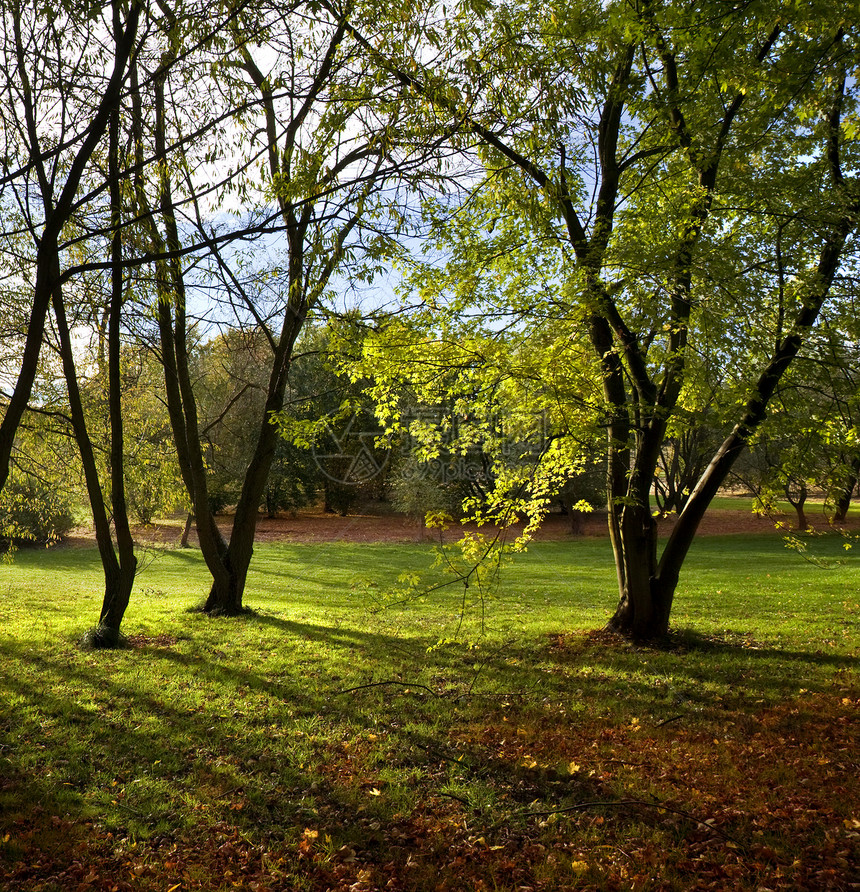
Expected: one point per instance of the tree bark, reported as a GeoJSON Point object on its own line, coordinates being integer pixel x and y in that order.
{"type": "Point", "coordinates": [186, 530]}
{"type": "Point", "coordinates": [647, 587]}
{"type": "Point", "coordinates": [798, 502]}
{"type": "Point", "coordinates": [117, 597]}
{"type": "Point", "coordinates": [179, 393]}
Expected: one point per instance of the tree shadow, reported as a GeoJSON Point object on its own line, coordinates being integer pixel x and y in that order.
{"type": "Point", "coordinates": [683, 641]}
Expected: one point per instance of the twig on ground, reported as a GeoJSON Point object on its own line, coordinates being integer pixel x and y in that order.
{"type": "Point", "coordinates": [668, 721]}
{"type": "Point", "coordinates": [379, 684]}
{"type": "Point", "coordinates": [623, 803]}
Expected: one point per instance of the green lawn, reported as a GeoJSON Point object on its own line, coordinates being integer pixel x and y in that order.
{"type": "Point", "coordinates": [344, 737]}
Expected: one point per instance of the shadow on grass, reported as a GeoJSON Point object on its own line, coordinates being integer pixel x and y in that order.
{"type": "Point", "coordinates": [151, 739]}
{"type": "Point", "coordinates": [111, 745]}
{"type": "Point", "coordinates": [685, 641]}
{"type": "Point", "coordinates": [79, 751]}
{"type": "Point", "coordinates": [148, 740]}
{"type": "Point", "coordinates": [697, 676]}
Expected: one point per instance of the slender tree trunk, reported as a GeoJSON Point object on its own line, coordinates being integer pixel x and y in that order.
{"type": "Point", "coordinates": [226, 597]}
{"type": "Point", "coordinates": [798, 502]}
{"type": "Point", "coordinates": [843, 500]}
{"type": "Point", "coordinates": [119, 578]}
{"type": "Point", "coordinates": [47, 272]}
{"type": "Point", "coordinates": [186, 531]}
{"type": "Point", "coordinates": [179, 393]}
{"type": "Point", "coordinates": [117, 596]}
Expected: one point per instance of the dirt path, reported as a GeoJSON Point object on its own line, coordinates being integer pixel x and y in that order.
{"type": "Point", "coordinates": [314, 526]}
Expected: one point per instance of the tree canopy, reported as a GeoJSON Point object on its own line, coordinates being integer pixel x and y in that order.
{"type": "Point", "coordinates": [666, 185]}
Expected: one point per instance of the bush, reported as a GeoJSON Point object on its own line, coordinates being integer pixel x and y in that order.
{"type": "Point", "coordinates": [293, 479]}
{"type": "Point", "coordinates": [31, 510]}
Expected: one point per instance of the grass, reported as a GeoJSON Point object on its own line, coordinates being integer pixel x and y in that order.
{"type": "Point", "coordinates": [817, 509]}
{"type": "Point", "coordinates": [322, 743]}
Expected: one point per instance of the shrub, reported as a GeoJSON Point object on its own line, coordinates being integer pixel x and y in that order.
{"type": "Point", "coordinates": [32, 510]}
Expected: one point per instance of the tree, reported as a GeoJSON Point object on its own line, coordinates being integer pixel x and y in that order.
{"type": "Point", "coordinates": [51, 61]}
{"type": "Point", "coordinates": [327, 149]}
{"type": "Point", "coordinates": [37, 502]}
{"type": "Point", "coordinates": [834, 387]}
{"type": "Point", "coordinates": [153, 482]}
{"type": "Point", "coordinates": [230, 380]}
{"type": "Point", "coordinates": [688, 172]}
{"type": "Point", "coordinates": [784, 461]}
{"type": "Point", "coordinates": [53, 132]}
{"type": "Point", "coordinates": [810, 443]}
{"type": "Point", "coordinates": [478, 408]}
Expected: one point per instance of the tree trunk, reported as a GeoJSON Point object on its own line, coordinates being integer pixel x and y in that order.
{"type": "Point", "coordinates": [226, 600]}
{"type": "Point", "coordinates": [170, 285]}
{"type": "Point", "coordinates": [575, 518]}
{"type": "Point", "coordinates": [117, 598]}
{"type": "Point", "coordinates": [118, 574]}
{"type": "Point", "coordinates": [843, 499]}
{"type": "Point", "coordinates": [644, 604]}
{"type": "Point", "coordinates": [186, 532]}
{"type": "Point", "coordinates": [798, 502]}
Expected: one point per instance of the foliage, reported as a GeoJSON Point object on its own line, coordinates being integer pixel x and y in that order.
{"type": "Point", "coordinates": [229, 376]}
{"type": "Point", "coordinates": [418, 488]}
{"type": "Point", "coordinates": [34, 510]}
{"type": "Point", "coordinates": [631, 220]}
{"type": "Point", "coordinates": [614, 223]}
{"type": "Point", "coordinates": [153, 482]}
{"type": "Point", "coordinates": [471, 403]}
{"type": "Point", "coordinates": [293, 479]}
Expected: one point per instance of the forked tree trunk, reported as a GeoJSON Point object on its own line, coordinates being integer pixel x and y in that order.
{"type": "Point", "coordinates": [644, 605]}
{"type": "Point", "coordinates": [229, 562]}
{"type": "Point", "coordinates": [798, 502]}
{"type": "Point", "coordinates": [226, 598]}
{"type": "Point", "coordinates": [646, 597]}
{"type": "Point", "coordinates": [119, 570]}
